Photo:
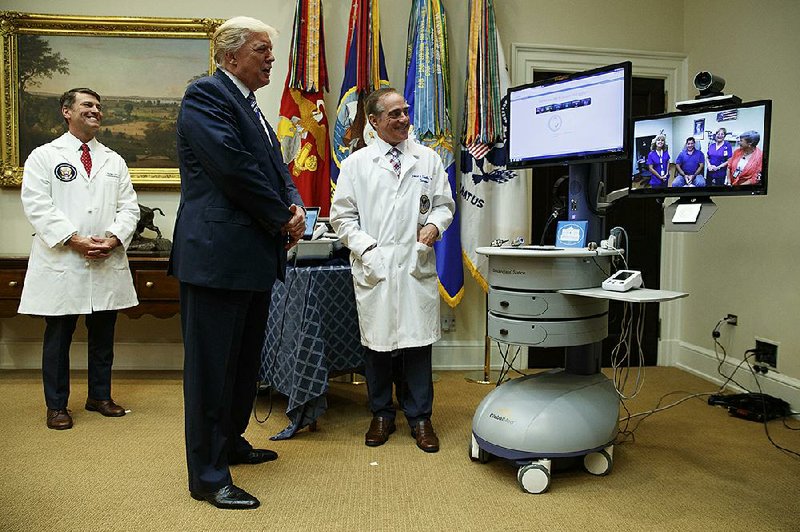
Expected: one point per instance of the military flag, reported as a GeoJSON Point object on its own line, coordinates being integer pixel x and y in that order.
{"type": "Point", "coordinates": [303, 125]}
{"type": "Point", "coordinates": [493, 200]}
{"type": "Point", "coordinates": [427, 91]}
{"type": "Point", "coordinates": [364, 71]}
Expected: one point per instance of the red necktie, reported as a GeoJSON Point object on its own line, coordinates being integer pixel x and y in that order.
{"type": "Point", "coordinates": [86, 159]}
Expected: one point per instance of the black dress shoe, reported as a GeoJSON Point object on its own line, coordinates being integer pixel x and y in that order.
{"type": "Point", "coordinates": [228, 497]}
{"type": "Point", "coordinates": [253, 456]}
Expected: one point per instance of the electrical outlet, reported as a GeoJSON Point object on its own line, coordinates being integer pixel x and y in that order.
{"type": "Point", "coordinates": [448, 323]}
{"type": "Point", "coordinates": [732, 319]}
{"type": "Point", "coordinates": [766, 352]}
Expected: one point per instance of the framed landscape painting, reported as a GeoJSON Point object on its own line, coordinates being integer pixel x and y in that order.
{"type": "Point", "coordinates": [139, 66]}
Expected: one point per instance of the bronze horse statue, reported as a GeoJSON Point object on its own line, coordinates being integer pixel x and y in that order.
{"type": "Point", "coordinates": [147, 220]}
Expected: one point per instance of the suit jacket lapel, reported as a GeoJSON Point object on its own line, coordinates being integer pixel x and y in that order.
{"type": "Point", "coordinates": [270, 140]}
{"type": "Point", "coordinates": [242, 102]}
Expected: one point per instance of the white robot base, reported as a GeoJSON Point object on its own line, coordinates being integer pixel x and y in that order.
{"type": "Point", "coordinates": [538, 418]}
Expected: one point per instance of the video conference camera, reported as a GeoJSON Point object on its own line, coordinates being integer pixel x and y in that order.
{"type": "Point", "coordinates": [708, 84]}
{"type": "Point", "coordinates": [711, 95]}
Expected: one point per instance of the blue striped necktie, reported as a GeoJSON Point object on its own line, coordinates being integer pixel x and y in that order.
{"type": "Point", "coordinates": [252, 99]}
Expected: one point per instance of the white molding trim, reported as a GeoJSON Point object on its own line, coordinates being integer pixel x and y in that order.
{"type": "Point", "coordinates": [703, 363]}
{"type": "Point", "coordinates": [672, 67]}
{"type": "Point", "coordinates": [27, 354]}
{"type": "Point", "coordinates": [461, 355]}
{"type": "Point", "coordinates": [21, 354]}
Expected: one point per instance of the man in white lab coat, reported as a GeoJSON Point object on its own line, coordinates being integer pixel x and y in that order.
{"type": "Point", "coordinates": [78, 196]}
{"type": "Point", "coordinates": [392, 202]}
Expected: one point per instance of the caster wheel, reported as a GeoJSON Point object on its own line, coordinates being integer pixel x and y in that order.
{"type": "Point", "coordinates": [601, 462]}
{"type": "Point", "coordinates": [534, 478]}
{"type": "Point", "coordinates": [476, 453]}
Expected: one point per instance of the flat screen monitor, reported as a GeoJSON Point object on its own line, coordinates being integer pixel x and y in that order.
{"type": "Point", "coordinates": [703, 152]}
{"type": "Point", "coordinates": [582, 117]}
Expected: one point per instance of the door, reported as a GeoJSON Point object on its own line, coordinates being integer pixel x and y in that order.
{"type": "Point", "coordinates": [641, 218]}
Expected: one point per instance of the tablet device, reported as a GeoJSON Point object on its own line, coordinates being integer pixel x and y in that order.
{"type": "Point", "coordinates": [312, 215]}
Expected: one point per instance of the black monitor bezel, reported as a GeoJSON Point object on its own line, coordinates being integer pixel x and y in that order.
{"type": "Point", "coordinates": [713, 190]}
{"type": "Point", "coordinates": [606, 155]}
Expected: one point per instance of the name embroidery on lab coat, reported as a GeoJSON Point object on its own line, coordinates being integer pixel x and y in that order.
{"type": "Point", "coordinates": [422, 178]}
{"type": "Point", "coordinates": [65, 172]}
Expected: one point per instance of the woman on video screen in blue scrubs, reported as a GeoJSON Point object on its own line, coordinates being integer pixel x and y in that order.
{"type": "Point", "coordinates": [658, 162]}
{"type": "Point", "coordinates": [718, 154]}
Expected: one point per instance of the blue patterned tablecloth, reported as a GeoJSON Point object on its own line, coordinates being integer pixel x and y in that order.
{"type": "Point", "coordinates": [312, 330]}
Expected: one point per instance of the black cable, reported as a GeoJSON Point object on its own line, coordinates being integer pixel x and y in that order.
{"type": "Point", "coordinates": [715, 336]}
{"type": "Point", "coordinates": [269, 412]}
{"type": "Point", "coordinates": [629, 434]}
{"type": "Point", "coordinates": [507, 366]}
{"type": "Point", "coordinates": [277, 349]}
{"type": "Point", "coordinates": [594, 259]}
{"type": "Point", "coordinates": [553, 216]}
{"type": "Point", "coordinates": [558, 205]}
{"type": "Point", "coordinates": [626, 433]}
{"type": "Point", "coordinates": [786, 425]}
{"type": "Point", "coordinates": [763, 398]}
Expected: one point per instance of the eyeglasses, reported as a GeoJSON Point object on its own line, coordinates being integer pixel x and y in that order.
{"type": "Point", "coordinates": [396, 114]}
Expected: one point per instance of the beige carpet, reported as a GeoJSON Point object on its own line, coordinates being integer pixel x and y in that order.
{"type": "Point", "coordinates": [690, 468]}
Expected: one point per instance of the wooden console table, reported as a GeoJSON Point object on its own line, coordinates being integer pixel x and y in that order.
{"type": "Point", "coordinates": [157, 292]}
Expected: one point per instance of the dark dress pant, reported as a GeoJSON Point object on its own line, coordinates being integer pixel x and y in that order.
{"type": "Point", "coordinates": [55, 356]}
{"type": "Point", "coordinates": [415, 393]}
{"type": "Point", "coordinates": [223, 335]}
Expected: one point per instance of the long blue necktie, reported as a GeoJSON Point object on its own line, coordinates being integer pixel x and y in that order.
{"type": "Point", "coordinates": [252, 99]}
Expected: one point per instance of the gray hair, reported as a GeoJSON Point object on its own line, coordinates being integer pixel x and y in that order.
{"type": "Point", "coordinates": [373, 105]}
{"type": "Point", "coordinates": [233, 33]}
{"type": "Point", "coordinates": [752, 137]}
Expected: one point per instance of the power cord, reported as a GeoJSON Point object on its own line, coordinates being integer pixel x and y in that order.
{"type": "Point", "coordinates": [507, 366]}
{"type": "Point", "coordinates": [715, 334]}
{"type": "Point", "coordinates": [618, 241]}
{"type": "Point", "coordinates": [559, 205]}
{"type": "Point", "coordinates": [626, 433]}
{"type": "Point", "coordinates": [629, 434]}
{"type": "Point", "coordinates": [763, 399]}
{"type": "Point", "coordinates": [277, 349]}
{"type": "Point", "coordinates": [622, 353]}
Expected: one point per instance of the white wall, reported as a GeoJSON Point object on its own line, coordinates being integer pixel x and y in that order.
{"type": "Point", "coordinates": [743, 262]}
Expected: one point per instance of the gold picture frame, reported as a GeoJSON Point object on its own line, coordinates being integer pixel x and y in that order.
{"type": "Point", "coordinates": [122, 58]}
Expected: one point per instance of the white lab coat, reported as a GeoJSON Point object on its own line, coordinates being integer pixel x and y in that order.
{"type": "Point", "coordinates": [396, 286]}
{"type": "Point", "coordinates": [59, 199]}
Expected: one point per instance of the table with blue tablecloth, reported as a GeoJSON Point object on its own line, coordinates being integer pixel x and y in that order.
{"type": "Point", "coordinates": [312, 331]}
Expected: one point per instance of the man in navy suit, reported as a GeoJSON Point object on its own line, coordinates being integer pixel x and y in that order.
{"type": "Point", "coordinates": [239, 213]}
